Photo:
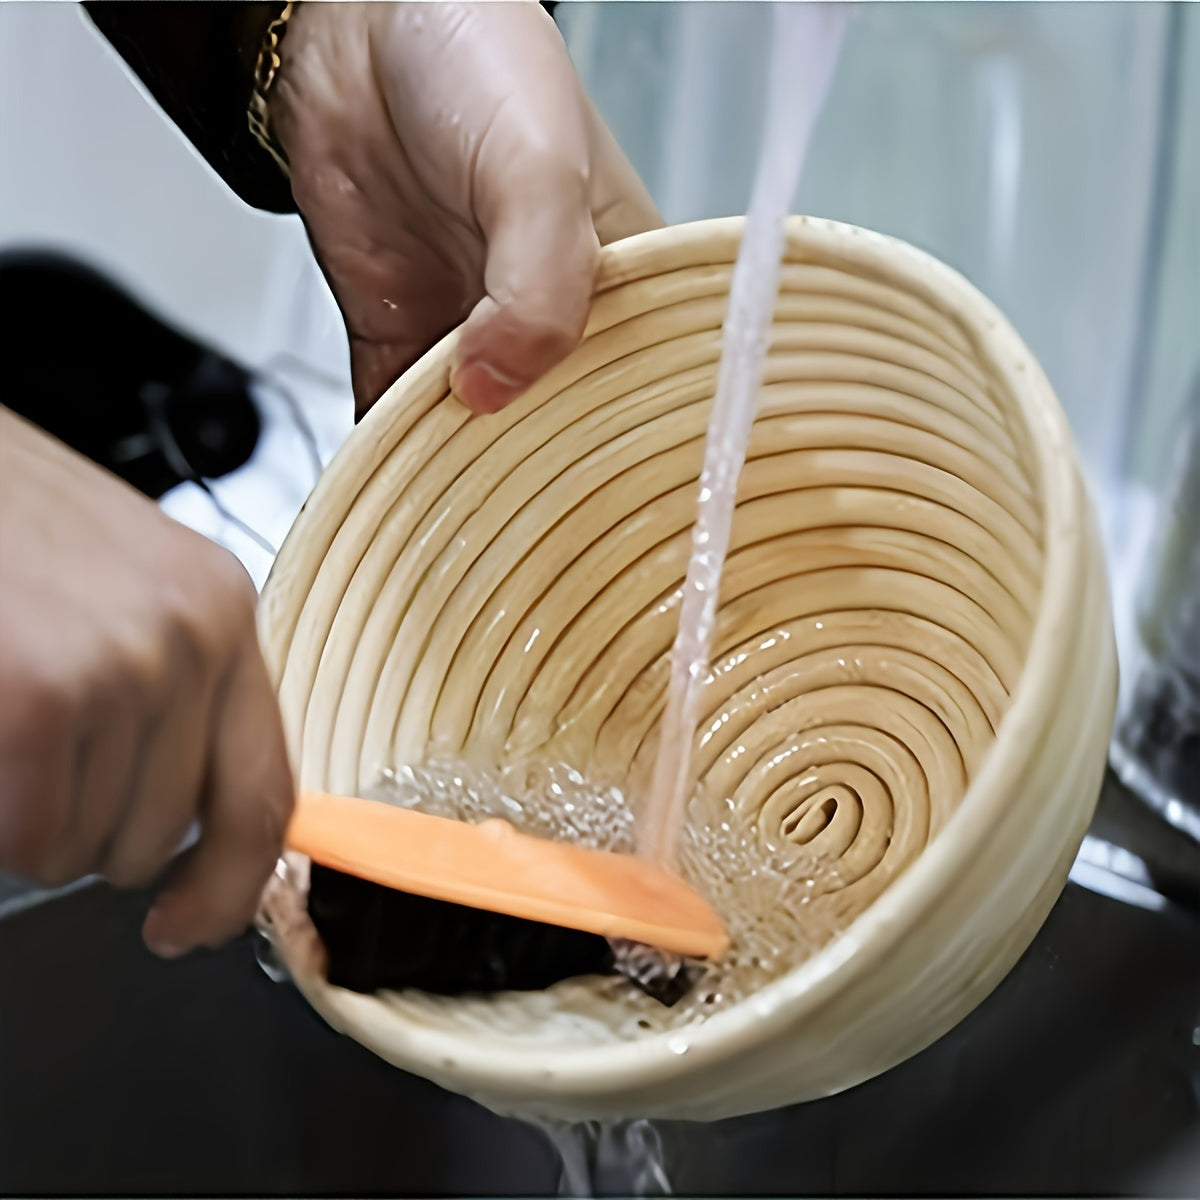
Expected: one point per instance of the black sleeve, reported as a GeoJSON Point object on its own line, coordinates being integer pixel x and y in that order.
{"type": "Point", "coordinates": [197, 60]}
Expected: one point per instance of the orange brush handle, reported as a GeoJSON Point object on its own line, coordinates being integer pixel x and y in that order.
{"type": "Point", "coordinates": [494, 867]}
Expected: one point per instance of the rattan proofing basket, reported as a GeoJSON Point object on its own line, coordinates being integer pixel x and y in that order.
{"type": "Point", "coordinates": [911, 505]}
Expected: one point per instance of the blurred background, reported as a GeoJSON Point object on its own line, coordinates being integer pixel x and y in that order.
{"type": "Point", "coordinates": [1051, 153]}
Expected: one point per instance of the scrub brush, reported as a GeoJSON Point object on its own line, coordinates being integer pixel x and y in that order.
{"type": "Point", "coordinates": [406, 899]}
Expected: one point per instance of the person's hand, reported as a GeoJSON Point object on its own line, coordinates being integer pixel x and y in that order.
{"type": "Point", "coordinates": [448, 165]}
{"type": "Point", "coordinates": [133, 699]}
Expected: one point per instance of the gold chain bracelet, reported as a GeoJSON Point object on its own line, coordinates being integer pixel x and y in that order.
{"type": "Point", "coordinates": [265, 71]}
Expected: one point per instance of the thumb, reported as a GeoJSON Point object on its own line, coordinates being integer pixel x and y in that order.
{"type": "Point", "coordinates": [540, 269]}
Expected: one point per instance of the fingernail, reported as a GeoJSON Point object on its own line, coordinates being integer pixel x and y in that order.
{"type": "Point", "coordinates": [156, 942]}
{"type": "Point", "coordinates": [483, 388]}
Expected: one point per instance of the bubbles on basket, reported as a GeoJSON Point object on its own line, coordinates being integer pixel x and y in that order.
{"type": "Point", "coordinates": [549, 800]}
{"type": "Point", "coordinates": [765, 892]}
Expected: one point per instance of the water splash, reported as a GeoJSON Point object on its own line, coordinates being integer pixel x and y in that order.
{"type": "Point", "coordinates": [622, 1158]}
{"type": "Point", "coordinates": [767, 891]}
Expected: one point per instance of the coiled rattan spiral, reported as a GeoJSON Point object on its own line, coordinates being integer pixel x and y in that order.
{"type": "Point", "coordinates": [913, 666]}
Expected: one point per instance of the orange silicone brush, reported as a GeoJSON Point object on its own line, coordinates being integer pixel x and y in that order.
{"type": "Point", "coordinates": [493, 867]}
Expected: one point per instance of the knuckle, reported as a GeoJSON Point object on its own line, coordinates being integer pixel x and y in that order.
{"type": "Point", "coordinates": [234, 582]}
{"type": "Point", "coordinates": [141, 672]}
{"type": "Point", "coordinates": [211, 610]}
{"type": "Point", "coordinates": [552, 341]}
{"type": "Point", "coordinates": [48, 703]}
{"type": "Point", "coordinates": [197, 641]}
{"type": "Point", "coordinates": [548, 318]}
{"type": "Point", "coordinates": [206, 569]}
{"type": "Point", "coordinates": [236, 596]}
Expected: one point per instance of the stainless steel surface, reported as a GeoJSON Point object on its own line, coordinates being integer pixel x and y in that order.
{"type": "Point", "coordinates": [1156, 746]}
{"type": "Point", "coordinates": [1079, 1075]}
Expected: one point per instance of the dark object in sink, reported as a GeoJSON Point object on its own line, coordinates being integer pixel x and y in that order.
{"type": "Point", "coordinates": [378, 938]}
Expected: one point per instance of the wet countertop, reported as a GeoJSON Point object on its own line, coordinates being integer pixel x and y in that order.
{"type": "Point", "coordinates": [1079, 1074]}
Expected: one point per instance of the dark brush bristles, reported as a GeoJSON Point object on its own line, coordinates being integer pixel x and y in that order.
{"type": "Point", "coordinates": [376, 937]}
{"type": "Point", "coordinates": [665, 977]}
{"type": "Point", "coordinates": [380, 938]}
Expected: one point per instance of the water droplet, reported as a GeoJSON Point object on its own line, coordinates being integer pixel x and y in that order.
{"type": "Point", "coordinates": [678, 1045]}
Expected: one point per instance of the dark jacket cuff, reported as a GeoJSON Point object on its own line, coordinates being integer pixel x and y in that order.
{"type": "Point", "coordinates": [197, 60]}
